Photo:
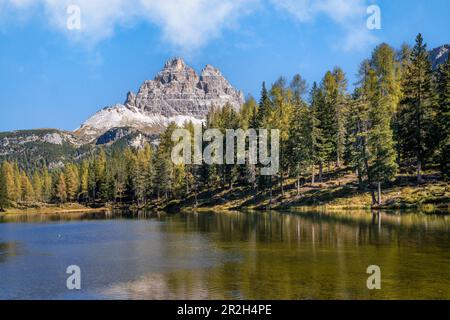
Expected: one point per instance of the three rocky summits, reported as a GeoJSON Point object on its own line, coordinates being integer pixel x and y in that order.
{"type": "Point", "coordinates": [177, 94]}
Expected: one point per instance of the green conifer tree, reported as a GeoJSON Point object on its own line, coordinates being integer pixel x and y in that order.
{"type": "Point", "coordinates": [443, 118]}
{"type": "Point", "coordinates": [418, 106]}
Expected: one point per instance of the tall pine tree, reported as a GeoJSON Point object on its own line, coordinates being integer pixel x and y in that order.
{"type": "Point", "coordinates": [443, 118]}
{"type": "Point", "coordinates": [416, 110]}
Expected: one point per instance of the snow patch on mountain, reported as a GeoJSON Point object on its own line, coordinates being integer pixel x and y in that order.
{"type": "Point", "coordinates": [126, 116]}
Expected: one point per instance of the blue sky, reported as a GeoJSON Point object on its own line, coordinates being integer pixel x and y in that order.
{"type": "Point", "coordinates": [52, 77]}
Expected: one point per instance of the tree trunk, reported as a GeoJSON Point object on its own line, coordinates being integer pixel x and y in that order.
{"type": "Point", "coordinates": [360, 179]}
{"type": "Point", "coordinates": [329, 170]}
{"type": "Point", "coordinates": [321, 172]}
{"type": "Point", "coordinates": [298, 185]}
{"type": "Point", "coordinates": [196, 200]}
{"type": "Point", "coordinates": [187, 185]}
{"type": "Point", "coordinates": [312, 175]}
{"type": "Point", "coordinates": [270, 201]}
{"type": "Point", "coordinates": [369, 180]}
{"type": "Point", "coordinates": [379, 193]}
{"type": "Point", "coordinates": [372, 193]}
{"type": "Point", "coordinates": [419, 172]}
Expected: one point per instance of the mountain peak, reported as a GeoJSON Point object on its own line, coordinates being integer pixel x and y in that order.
{"type": "Point", "coordinates": [177, 94]}
{"type": "Point", "coordinates": [176, 64]}
{"type": "Point", "coordinates": [131, 99]}
{"type": "Point", "coordinates": [176, 70]}
{"type": "Point", "coordinates": [210, 70]}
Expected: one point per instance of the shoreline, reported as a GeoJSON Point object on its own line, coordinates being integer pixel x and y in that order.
{"type": "Point", "coordinates": [53, 210]}
{"type": "Point", "coordinates": [439, 208]}
{"type": "Point", "coordinates": [329, 208]}
{"type": "Point", "coordinates": [340, 193]}
{"type": "Point", "coordinates": [432, 198]}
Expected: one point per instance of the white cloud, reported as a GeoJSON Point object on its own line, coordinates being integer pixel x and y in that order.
{"type": "Point", "coordinates": [349, 15]}
{"type": "Point", "coordinates": [21, 3]}
{"type": "Point", "coordinates": [99, 18]}
{"type": "Point", "coordinates": [358, 38]}
{"type": "Point", "coordinates": [187, 24]}
{"type": "Point", "coordinates": [308, 10]}
{"type": "Point", "coordinates": [190, 24]}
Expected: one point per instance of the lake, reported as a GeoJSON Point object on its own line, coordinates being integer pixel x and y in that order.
{"type": "Point", "coordinates": [225, 255]}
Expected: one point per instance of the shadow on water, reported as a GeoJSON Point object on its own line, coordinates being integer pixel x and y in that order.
{"type": "Point", "coordinates": [9, 250]}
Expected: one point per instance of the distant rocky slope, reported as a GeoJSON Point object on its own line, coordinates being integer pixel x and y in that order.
{"type": "Point", "coordinates": [439, 55]}
{"type": "Point", "coordinates": [177, 94]}
{"type": "Point", "coordinates": [51, 147]}
{"type": "Point", "coordinates": [34, 148]}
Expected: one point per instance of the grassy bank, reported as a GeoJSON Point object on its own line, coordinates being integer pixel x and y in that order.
{"type": "Point", "coordinates": [41, 208]}
{"type": "Point", "coordinates": [338, 191]}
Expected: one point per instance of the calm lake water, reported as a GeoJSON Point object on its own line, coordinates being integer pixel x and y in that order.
{"type": "Point", "coordinates": [225, 256]}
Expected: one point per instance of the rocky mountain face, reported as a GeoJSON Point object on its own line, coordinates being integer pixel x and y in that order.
{"type": "Point", "coordinates": [125, 137]}
{"type": "Point", "coordinates": [177, 94]}
{"type": "Point", "coordinates": [439, 55]}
